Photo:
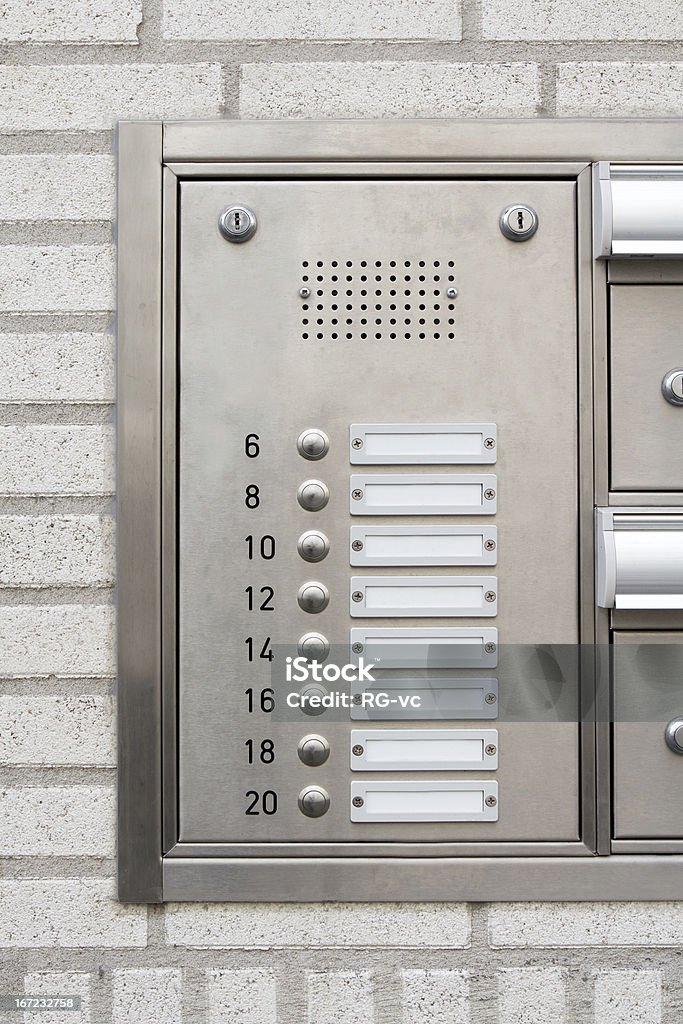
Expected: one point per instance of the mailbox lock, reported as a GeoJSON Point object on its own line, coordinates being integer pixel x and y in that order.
{"type": "Point", "coordinates": [313, 646]}
{"type": "Point", "coordinates": [313, 801]}
{"type": "Point", "coordinates": [313, 546]}
{"type": "Point", "coordinates": [313, 597]}
{"type": "Point", "coordinates": [672, 386]}
{"type": "Point", "coordinates": [313, 495]}
{"type": "Point", "coordinates": [674, 735]}
{"type": "Point", "coordinates": [518, 222]}
{"type": "Point", "coordinates": [313, 444]}
{"type": "Point", "coordinates": [313, 750]}
{"type": "Point", "coordinates": [237, 223]}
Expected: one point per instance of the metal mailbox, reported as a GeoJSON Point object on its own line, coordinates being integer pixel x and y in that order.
{"type": "Point", "coordinates": [396, 415]}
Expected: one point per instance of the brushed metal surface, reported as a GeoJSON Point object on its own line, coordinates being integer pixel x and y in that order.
{"type": "Point", "coordinates": [243, 357]}
{"type": "Point", "coordinates": [139, 225]}
{"type": "Point", "coordinates": [437, 880]}
{"type": "Point", "coordinates": [646, 429]}
{"type": "Point", "coordinates": [577, 140]}
{"type": "Point", "coordinates": [390, 849]}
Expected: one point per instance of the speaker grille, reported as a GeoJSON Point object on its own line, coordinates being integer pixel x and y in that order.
{"type": "Point", "coordinates": [378, 300]}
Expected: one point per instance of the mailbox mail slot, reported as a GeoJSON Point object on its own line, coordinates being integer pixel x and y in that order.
{"type": "Point", "coordinates": [640, 558]}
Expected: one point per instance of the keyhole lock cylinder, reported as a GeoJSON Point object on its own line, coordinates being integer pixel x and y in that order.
{"type": "Point", "coordinates": [237, 223]}
{"type": "Point", "coordinates": [518, 222]}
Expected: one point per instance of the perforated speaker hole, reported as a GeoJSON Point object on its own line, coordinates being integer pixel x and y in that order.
{"type": "Point", "coordinates": [378, 300]}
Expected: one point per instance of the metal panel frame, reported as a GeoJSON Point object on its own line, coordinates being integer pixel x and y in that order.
{"type": "Point", "coordinates": [140, 241]}
{"type": "Point", "coordinates": [152, 158]}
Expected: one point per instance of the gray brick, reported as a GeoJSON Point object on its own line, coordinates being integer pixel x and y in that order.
{"type": "Point", "coordinates": [59, 983]}
{"type": "Point", "coordinates": [71, 367]}
{"type": "Point", "coordinates": [100, 21]}
{"type": "Point", "coordinates": [582, 19]}
{"type": "Point", "coordinates": [57, 821]}
{"type": "Point", "coordinates": [340, 997]}
{"type": "Point", "coordinates": [628, 997]}
{"type": "Point", "coordinates": [435, 997]}
{"type": "Point", "coordinates": [67, 912]}
{"type": "Point", "coordinates": [241, 997]}
{"type": "Point", "coordinates": [388, 89]}
{"type": "Point", "coordinates": [53, 551]}
{"type": "Point", "coordinates": [57, 731]}
{"type": "Point", "coordinates": [93, 97]}
{"type": "Point", "coordinates": [535, 995]}
{"type": "Point", "coordinates": [37, 187]}
{"type": "Point", "coordinates": [57, 278]}
{"type": "Point", "coordinates": [147, 996]}
{"type": "Point", "coordinates": [61, 640]}
{"type": "Point", "coordinates": [619, 89]}
{"type": "Point", "coordinates": [558, 925]}
{"type": "Point", "coordinates": [42, 459]}
{"type": "Point", "coordinates": [318, 925]}
{"type": "Point", "coordinates": [307, 19]}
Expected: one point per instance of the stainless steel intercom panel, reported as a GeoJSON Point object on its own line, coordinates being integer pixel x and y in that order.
{"type": "Point", "coordinates": [358, 304]}
{"type": "Point", "coordinates": [398, 487]}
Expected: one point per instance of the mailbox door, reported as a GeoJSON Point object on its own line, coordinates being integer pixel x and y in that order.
{"type": "Point", "coordinates": [647, 772]}
{"type": "Point", "coordinates": [645, 346]}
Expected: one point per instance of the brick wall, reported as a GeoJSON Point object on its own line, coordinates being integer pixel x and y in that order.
{"type": "Point", "coordinates": [70, 69]}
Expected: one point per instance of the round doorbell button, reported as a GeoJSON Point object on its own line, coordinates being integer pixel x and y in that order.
{"type": "Point", "coordinates": [313, 495]}
{"type": "Point", "coordinates": [314, 801]}
{"type": "Point", "coordinates": [314, 646]}
{"type": "Point", "coordinates": [313, 546]}
{"type": "Point", "coordinates": [672, 386]}
{"type": "Point", "coordinates": [313, 597]}
{"type": "Point", "coordinates": [313, 750]}
{"type": "Point", "coordinates": [313, 444]}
